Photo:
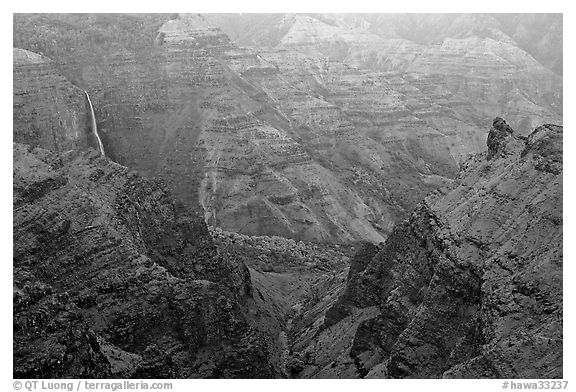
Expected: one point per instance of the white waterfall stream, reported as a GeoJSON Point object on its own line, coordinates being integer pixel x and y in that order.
{"type": "Point", "coordinates": [94, 126]}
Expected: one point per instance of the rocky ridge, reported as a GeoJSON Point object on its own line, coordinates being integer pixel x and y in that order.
{"type": "Point", "coordinates": [115, 278]}
{"type": "Point", "coordinates": [470, 285]}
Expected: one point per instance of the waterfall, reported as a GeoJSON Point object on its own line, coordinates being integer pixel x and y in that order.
{"type": "Point", "coordinates": [94, 126]}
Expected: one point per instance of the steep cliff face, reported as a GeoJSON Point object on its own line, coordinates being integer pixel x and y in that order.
{"type": "Point", "coordinates": [114, 278]}
{"type": "Point", "coordinates": [48, 111]}
{"type": "Point", "coordinates": [489, 71]}
{"type": "Point", "coordinates": [491, 63]}
{"type": "Point", "coordinates": [393, 113]}
{"type": "Point", "coordinates": [332, 135]}
{"type": "Point", "coordinates": [182, 114]}
{"type": "Point", "coordinates": [293, 283]}
{"type": "Point", "coordinates": [540, 35]}
{"type": "Point", "coordinates": [471, 284]}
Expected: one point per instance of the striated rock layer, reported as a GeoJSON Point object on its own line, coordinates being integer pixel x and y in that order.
{"type": "Point", "coordinates": [48, 110]}
{"type": "Point", "coordinates": [470, 285]}
{"type": "Point", "coordinates": [114, 278]}
{"type": "Point", "coordinates": [483, 64]}
{"type": "Point", "coordinates": [332, 133]}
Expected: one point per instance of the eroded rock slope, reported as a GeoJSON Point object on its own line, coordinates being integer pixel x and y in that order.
{"type": "Point", "coordinates": [470, 285]}
{"type": "Point", "coordinates": [114, 278]}
{"type": "Point", "coordinates": [48, 110]}
{"type": "Point", "coordinates": [331, 131]}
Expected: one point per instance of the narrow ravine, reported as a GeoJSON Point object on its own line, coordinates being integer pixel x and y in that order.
{"type": "Point", "coordinates": [299, 300]}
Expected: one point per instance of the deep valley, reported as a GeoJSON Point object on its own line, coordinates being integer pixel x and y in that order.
{"type": "Point", "coordinates": [287, 196]}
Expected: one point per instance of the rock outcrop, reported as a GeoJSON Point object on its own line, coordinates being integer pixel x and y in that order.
{"type": "Point", "coordinates": [502, 139]}
{"type": "Point", "coordinates": [114, 278]}
{"type": "Point", "coordinates": [470, 285]}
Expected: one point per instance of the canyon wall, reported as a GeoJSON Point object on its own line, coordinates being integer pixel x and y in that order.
{"type": "Point", "coordinates": [469, 286]}
{"type": "Point", "coordinates": [333, 133]}
{"type": "Point", "coordinates": [113, 278]}
{"type": "Point", "coordinates": [48, 110]}
{"type": "Point", "coordinates": [330, 129]}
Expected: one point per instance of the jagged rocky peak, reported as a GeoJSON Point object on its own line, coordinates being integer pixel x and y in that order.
{"type": "Point", "coordinates": [502, 139]}
{"type": "Point", "coordinates": [545, 142]}
{"type": "Point", "coordinates": [500, 125]}
{"type": "Point", "coordinates": [191, 30]}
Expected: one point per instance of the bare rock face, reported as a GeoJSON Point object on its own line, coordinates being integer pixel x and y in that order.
{"type": "Point", "coordinates": [355, 293]}
{"type": "Point", "coordinates": [470, 286]}
{"type": "Point", "coordinates": [48, 111]}
{"type": "Point", "coordinates": [184, 114]}
{"type": "Point", "coordinates": [490, 62]}
{"type": "Point", "coordinates": [114, 278]}
{"type": "Point", "coordinates": [502, 139]}
{"type": "Point", "coordinates": [545, 146]}
{"type": "Point", "coordinates": [540, 35]}
{"type": "Point", "coordinates": [332, 133]}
